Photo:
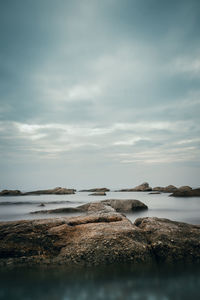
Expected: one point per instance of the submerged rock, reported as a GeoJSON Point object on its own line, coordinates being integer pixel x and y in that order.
{"type": "Point", "coordinates": [155, 193]}
{"type": "Point", "coordinates": [98, 194]}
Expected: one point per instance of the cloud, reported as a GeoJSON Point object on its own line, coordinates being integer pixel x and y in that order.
{"type": "Point", "coordinates": [113, 80]}
{"type": "Point", "coordinates": [144, 143]}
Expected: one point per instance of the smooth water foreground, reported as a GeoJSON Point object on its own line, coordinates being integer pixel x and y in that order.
{"type": "Point", "coordinates": [161, 205]}
{"type": "Point", "coordinates": [121, 282]}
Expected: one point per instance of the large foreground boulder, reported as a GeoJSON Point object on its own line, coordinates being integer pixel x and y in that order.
{"type": "Point", "coordinates": [92, 239]}
{"type": "Point", "coordinates": [171, 241]}
{"type": "Point", "coordinates": [98, 238]}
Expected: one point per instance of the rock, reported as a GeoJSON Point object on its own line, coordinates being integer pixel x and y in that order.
{"type": "Point", "coordinates": [155, 193]}
{"type": "Point", "coordinates": [10, 193]}
{"type": "Point", "coordinates": [98, 238]}
{"type": "Point", "coordinates": [171, 241]}
{"type": "Point", "coordinates": [104, 206]}
{"type": "Point", "coordinates": [96, 207]}
{"type": "Point", "coordinates": [187, 193]}
{"type": "Point", "coordinates": [41, 205]}
{"type": "Point", "coordinates": [127, 205]}
{"type": "Point", "coordinates": [96, 190]}
{"type": "Point", "coordinates": [144, 187]}
{"type": "Point", "coordinates": [62, 210]}
{"type": "Point", "coordinates": [170, 189]}
{"type": "Point", "coordinates": [167, 189]}
{"type": "Point", "coordinates": [55, 191]}
{"type": "Point", "coordinates": [158, 189]}
{"type": "Point", "coordinates": [98, 194]}
{"type": "Point", "coordinates": [185, 189]}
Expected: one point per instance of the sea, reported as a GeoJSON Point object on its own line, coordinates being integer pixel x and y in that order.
{"type": "Point", "coordinates": [156, 282]}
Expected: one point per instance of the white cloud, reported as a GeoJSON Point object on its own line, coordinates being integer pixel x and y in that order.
{"type": "Point", "coordinates": [53, 140]}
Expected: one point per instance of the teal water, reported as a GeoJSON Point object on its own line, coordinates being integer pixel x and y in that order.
{"type": "Point", "coordinates": [101, 283]}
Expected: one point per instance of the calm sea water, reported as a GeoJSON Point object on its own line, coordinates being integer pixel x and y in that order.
{"type": "Point", "coordinates": [121, 282]}
{"type": "Point", "coordinates": [161, 205]}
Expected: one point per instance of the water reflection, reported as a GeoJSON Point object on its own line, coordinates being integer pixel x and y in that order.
{"type": "Point", "coordinates": [110, 282]}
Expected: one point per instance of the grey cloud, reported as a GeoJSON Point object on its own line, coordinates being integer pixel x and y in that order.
{"type": "Point", "coordinates": [78, 69]}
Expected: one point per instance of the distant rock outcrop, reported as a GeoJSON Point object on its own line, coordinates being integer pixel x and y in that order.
{"type": "Point", "coordinates": [96, 190]}
{"type": "Point", "coordinates": [186, 193]}
{"type": "Point", "coordinates": [98, 194]}
{"type": "Point", "coordinates": [167, 189]}
{"type": "Point", "coordinates": [55, 191]}
{"type": "Point", "coordinates": [144, 187]}
{"type": "Point", "coordinates": [11, 193]}
{"type": "Point", "coordinates": [185, 188]}
{"type": "Point", "coordinates": [155, 193]}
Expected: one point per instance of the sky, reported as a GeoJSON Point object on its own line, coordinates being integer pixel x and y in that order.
{"type": "Point", "coordinates": [99, 93]}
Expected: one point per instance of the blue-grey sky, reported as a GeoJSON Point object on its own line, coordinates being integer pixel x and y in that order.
{"type": "Point", "coordinates": [99, 93]}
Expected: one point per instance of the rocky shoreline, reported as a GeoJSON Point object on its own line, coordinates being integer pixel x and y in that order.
{"type": "Point", "coordinates": [55, 191]}
{"type": "Point", "coordinates": [102, 235]}
{"type": "Point", "coordinates": [183, 191]}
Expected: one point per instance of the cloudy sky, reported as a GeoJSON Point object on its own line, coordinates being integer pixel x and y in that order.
{"type": "Point", "coordinates": [99, 93]}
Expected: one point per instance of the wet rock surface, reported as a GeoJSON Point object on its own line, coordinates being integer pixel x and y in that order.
{"type": "Point", "coordinates": [100, 236]}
